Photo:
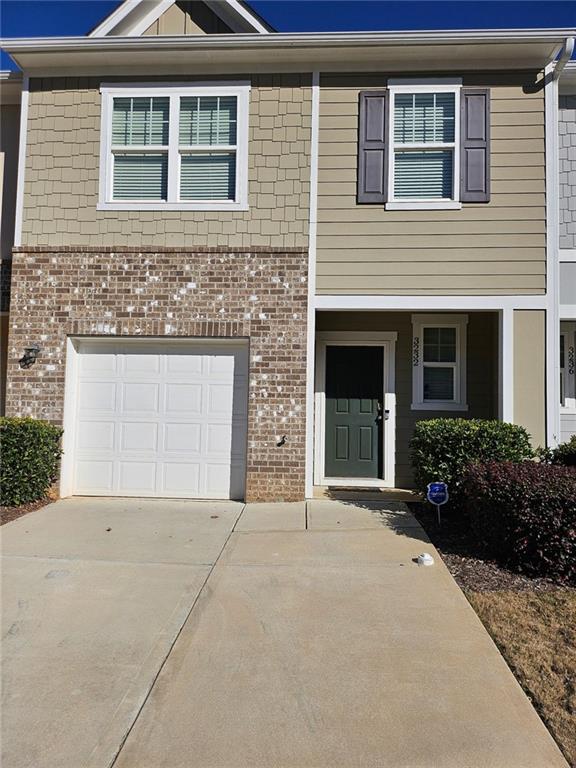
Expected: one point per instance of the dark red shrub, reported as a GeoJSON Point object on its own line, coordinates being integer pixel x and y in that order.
{"type": "Point", "coordinates": [525, 515]}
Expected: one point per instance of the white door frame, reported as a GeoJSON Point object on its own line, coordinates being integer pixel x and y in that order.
{"type": "Point", "coordinates": [73, 350]}
{"type": "Point", "coordinates": [386, 340]}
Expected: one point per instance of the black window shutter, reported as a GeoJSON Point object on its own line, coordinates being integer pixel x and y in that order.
{"type": "Point", "coordinates": [475, 145]}
{"type": "Point", "coordinates": [372, 151]}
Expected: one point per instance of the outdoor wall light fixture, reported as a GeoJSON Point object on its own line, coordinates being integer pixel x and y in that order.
{"type": "Point", "coordinates": [29, 357]}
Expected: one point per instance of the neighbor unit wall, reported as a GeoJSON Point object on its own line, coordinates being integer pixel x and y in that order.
{"type": "Point", "coordinates": [62, 173]}
{"type": "Point", "coordinates": [496, 247]}
{"type": "Point", "coordinates": [567, 160]}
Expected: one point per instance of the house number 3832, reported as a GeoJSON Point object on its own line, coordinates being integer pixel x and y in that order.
{"type": "Point", "coordinates": [416, 351]}
{"type": "Point", "coordinates": [571, 361]}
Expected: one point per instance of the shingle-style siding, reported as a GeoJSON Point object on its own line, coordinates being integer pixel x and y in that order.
{"type": "Point", "coordinates": [257, 294]}
{"type": "Point", "coordinates": [187, 17]}
{"type": "Point", "coordinates": [62, 173]}
{"type": "Point", "coordinates": [496, 247]}
{"type": "Point", "coordinates": [482, 371]}
{"type": "Point", "coordinates": [567, 158]}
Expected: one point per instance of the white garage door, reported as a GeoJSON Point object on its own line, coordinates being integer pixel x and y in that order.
{"type": "Point", "coordinates": [164, 419]}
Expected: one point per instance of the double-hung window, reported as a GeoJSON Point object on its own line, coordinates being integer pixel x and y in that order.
{"type": "Point", "coordinates": [424, 144]}
{"type": "Point", "coordinates": [174, 147]}
{"type": "Point", "coordinates": [439, 362]}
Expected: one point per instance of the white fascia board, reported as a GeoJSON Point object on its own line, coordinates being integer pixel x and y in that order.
{"type": "Point", "coordinates": [111, 21]}
{"type": "Point", "coordinates": [299, 39]}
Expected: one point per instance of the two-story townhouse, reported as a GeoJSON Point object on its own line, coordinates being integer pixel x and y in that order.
{"type": "Point", "coordinates": [251, 261]}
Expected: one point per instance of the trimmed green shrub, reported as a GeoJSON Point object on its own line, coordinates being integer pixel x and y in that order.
{"type": "Point", "coordinates": [442, 449]}
{"type": "Point", "coordinates": [525, 515]}
{"type": "Point", "coordinates": [565, 453]}
{"type": "Point", "coordinates": [29, 462]}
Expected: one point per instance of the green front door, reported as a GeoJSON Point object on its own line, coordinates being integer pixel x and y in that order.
{"type": "Point", "coordinates": [354, 392]}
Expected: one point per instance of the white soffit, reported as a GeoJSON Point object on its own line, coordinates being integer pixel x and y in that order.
{"type": "Point", "coordinates": [133, 17]}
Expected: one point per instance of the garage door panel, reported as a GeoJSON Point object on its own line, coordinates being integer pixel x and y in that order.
{"type": "Point", "coordinates": [182, 437]}
{"type": "Point", "coordinates": [96, 435]}
{"type": "Point", "coordinates": [140, 397]}
{"type": "Point", "coordinates": [182, 477]}
{"type": "Point", "coordinates": [139, 436]}
{"type": "Point", "coordinates": [95, 476]}
{"type": "Point", "coordinates": [98, 364]}
{"type": "Point", "coordinates": [136, 477]}
{"type": "Point", "coordinates": [161, 419]}
{"type": "Point", "coordinates": [184, 364]}
{"type": "Point", "coordinates": [139, 364]}
{"type": "Point", "coordinates": [219, 399]}
{"type": "Point", "coordinates": [97, 396]}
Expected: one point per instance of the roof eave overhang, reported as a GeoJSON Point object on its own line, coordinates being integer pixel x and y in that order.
{"type": "Point", "coordinates": [359, 51]}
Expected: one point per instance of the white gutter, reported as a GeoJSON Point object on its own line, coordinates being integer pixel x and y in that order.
{"type": "Point", "coordinates": [564, 58]}
{"type": "Point", "coordinates": [288, 40]}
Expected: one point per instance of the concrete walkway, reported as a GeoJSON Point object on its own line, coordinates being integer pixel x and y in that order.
{"type": "Point", "coordinates": [160, 634]}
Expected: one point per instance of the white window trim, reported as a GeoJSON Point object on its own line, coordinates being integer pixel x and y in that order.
{"type": "Point", "coordinates": [438, 85]}
{"type": "Point", "coordinates": [174, 91]}
{"type": "Point", "coordinates": [568, 374]}
{"type": "Point", "coordinates": [419, 322]}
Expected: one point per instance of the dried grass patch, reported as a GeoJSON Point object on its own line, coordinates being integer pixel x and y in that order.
{"type": "Point", "coordinates": [536, 634]}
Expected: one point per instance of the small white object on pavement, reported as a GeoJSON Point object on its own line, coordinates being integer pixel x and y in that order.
{"type": "Point", "coordinates": [425, 559]}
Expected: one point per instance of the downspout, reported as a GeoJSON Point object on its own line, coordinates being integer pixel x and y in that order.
{"type": "Point", "coordinates": [565, 56]}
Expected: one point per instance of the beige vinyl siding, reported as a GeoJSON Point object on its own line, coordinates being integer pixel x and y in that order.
{"type": "Point", "coordinates": [530, 373]}
{"type": "Point", "coordinates": [496, 247]}
{"type": "Point", "coordinates": [62, 173]}
{"type": "Point", "coordinates": [187, 17]}
{"type": "Point", "coordinates": [482, 371]}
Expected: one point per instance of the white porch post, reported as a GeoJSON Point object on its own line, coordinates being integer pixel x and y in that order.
{"type": "Point", "coordinates": [506, 365]}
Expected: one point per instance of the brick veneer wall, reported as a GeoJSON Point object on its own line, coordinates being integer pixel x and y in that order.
{"type": "Point", "coordinates": [260, 294]}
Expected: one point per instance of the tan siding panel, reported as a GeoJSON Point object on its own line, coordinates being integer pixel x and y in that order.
{"type": "Point", "coordinates": [62, 173]}
{"type": "Point", "coordinates": [363, 248]}
{"type": "Point", "coordinates": [530, 373]}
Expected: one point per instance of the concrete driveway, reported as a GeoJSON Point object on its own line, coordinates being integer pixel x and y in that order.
{"type": "Point", "coordinates": [160, 634]}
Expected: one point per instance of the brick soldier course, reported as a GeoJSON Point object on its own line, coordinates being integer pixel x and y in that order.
{"type": "Point", "coordinates": [256, 293]}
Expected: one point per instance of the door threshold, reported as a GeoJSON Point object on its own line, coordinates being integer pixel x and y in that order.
{"type": "Point", "coordinates": [366, 493]}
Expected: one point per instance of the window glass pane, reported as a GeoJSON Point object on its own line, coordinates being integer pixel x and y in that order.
{"type": "Point", "coordinates": [208, 120]}
{"type": "Point", "coordinates": [140, 121]}
{"type": "Point", "coordinates": [424, 117]}
{"type": "Point", "coordinates": [140, 177]}
{"type": "Point", "coordinates": [438, 383]}
{"type": "Point", "coordinates": [439, 345]}
{"type": "Point", "coordinates": [423, 175]}
{"type": "Point", "coordinates": [210, 176]}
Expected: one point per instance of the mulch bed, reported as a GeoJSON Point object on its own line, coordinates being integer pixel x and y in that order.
{"type": "Point", "coordinates": [466, 561]}
{"type": "Point", "coordinates": [8, 514]}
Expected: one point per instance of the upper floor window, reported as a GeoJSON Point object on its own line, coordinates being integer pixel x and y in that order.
{"type": "Point", "coordinates": [439, 362]}
{"type": "Point", "coordinates": [174, 147]}
{"type": "Point", "coordinates": [423, 144]}
{"type": "Point", "coordinates": [424, 156]}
